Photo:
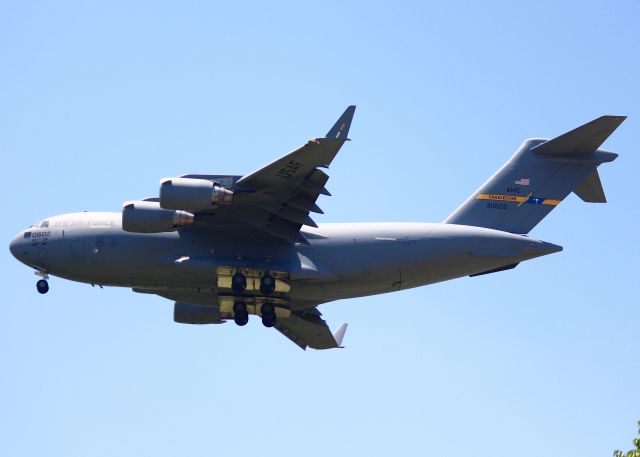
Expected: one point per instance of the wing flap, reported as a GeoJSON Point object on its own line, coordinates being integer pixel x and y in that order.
{"type": "Point", "coordinates": [307, 329]}
{"type": "Point", "coordinates": [296, 215]}
{"type": "Point", "coordinates": [302, 200]}
{"type": "Point", "coordinates": [283, 228]}
{"type": "Point", "coordinates": [315, 188]}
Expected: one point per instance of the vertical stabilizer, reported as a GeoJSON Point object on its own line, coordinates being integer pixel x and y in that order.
{"type": "Point", "coordinates": [538, 177]}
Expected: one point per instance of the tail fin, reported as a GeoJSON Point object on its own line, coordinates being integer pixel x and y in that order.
{"type": "Point", "coordinates": [538, 177]}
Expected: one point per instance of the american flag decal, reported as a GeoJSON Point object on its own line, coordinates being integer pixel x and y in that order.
{"type": "Point", "coordinates": [522, 182]}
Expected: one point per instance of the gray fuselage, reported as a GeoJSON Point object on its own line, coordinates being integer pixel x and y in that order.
{"type": "Point", "coordinates": [340, 261]}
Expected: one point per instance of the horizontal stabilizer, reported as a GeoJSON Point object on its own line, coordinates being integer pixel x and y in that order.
{"type": "Point", "coordinates": [591, 190]}
{"type": "Point", "coordinates": [585, 139]}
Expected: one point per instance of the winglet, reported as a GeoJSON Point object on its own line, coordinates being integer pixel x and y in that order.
{"type": "Point", "coordinates": [340, 130]}
{"type": "Point", "coordinates": [339, 335]}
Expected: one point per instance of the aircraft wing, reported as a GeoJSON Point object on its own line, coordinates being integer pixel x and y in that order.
{"type": "Point", "coordinates": [278, 197]}
{"type": "Point", "coordinates": [307, 329]}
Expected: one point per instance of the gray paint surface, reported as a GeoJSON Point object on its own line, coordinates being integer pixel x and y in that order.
{"type": "Point", "coordinates": [261, 232]}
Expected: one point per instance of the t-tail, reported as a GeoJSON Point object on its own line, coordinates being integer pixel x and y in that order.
{"type": "Point", "coordinates": [538, 177]}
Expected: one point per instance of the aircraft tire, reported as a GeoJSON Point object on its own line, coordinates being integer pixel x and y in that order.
{"type": "Point", "coordinates": [267, 284]}
{"type": "Point", "coordinates": [268, 313]}
{"type": "Point", "coordinates": [241, 316]}
{"type": "Point", "coordinates": [269, 320]}
{"type": "Point", "coordinates": [238, 283]}
{"type": "Point", "coordinates": [42, 286]}
{"type": "Point", "coordinates": [241, 319]}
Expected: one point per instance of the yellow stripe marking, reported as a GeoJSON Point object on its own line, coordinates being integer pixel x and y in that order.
{"type": "Point", "coordinates": [515, 199]}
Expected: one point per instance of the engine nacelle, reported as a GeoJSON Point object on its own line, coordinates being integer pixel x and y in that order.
{"type": "Point", "coordinates": [192, 194]}
{"type": "Point", "coordinates": [148, 217]}
{"type": "Point", "coordinates": [186, 313]}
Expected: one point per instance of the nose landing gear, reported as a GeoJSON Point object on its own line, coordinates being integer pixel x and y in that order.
{"type": "Point", "coordinates": [42, 286]}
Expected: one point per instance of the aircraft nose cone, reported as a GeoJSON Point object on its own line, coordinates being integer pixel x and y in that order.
{"type": "Point", "coordinates": [17, 247]}
{"type": "Point", "coordinates": [13, 247]}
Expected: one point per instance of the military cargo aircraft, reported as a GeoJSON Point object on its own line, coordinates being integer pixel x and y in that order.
{"type": "Point", "coordinates": [229, 246]}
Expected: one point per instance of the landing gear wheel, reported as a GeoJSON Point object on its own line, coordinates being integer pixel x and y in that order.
{"type": "Point", "coordinates": [269, 320]}
{"type": "Point", "coordinates": [241, 316]}
{"type": "Point", "coordinates": [42, 286]}
{"type": "Point", "coordinates": [238, 283]}
{"type": "Point", "coordinates": [241, 319]}
{"type": "Point", "coordinates": [267, 284]}
{"type": "Point", "coordinates": [268, 313]}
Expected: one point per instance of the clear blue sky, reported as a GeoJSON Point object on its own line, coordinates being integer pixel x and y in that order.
{"type": "Point", "coordinates": [99, 100]}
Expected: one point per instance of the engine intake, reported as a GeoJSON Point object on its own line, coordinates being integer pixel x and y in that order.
{"type": "Point", "coordinates": [148, 217]}
{"type": "Point", "coordinates": [192, 194]}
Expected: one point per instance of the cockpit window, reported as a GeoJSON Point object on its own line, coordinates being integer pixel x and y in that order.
{"type": "Point", "coordinates": [27, 234]}
{"type": "Point", "coordinates": [45, 224]}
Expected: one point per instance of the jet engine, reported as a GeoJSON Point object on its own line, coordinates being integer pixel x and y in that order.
{"type": "Point", "coordinates": [148, 217]}
{"type": "Point", "coordinates": [186, 313]}
{"type": "Point", "coordinates": [192, 194]}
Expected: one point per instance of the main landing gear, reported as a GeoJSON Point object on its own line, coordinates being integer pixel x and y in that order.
{"type": "Point", "coordinates": [241, 315]}
{"type": "Point", "coordinates": [267, 310]}
{"type": "Point", "coordinates": [267, 284]}
{"type": "Point", "coordinates": [42, 286]}
{"type": "Point", "coordinates": [238, 283]}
